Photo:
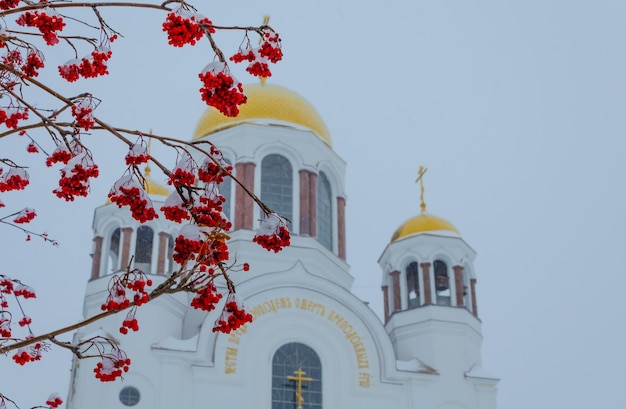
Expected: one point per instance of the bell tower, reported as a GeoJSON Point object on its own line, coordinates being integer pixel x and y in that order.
{"type": "Point", "coordinates": [430, 303]}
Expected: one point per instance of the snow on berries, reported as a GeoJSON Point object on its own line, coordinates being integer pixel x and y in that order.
{"type": "Point", "coordinates": [184, 27]}
{"type": "Point", "coordinates": [112, 365]}
{"type": "Point", "coordinates": [259, 58]}
{"type": "Point", "coordinates": [174, 208]}
{"type": "Point", "coordinates": [75, 176]}
{"type": "Point", "coordinates": [184, 173]}
{"type": "Point", "coordinates": [127, 192]}
{"type": "Point", "coordinates": [82, 111]}
{"type": "Point", "coordinates": [206, 298]}
{"type": "Point", "coordinates": [273, 234]}
{"type": "Point", "coordinates": [138, 154]}
{"type": "Point", "coordinates": [214, 170]}
{"type": "Point", "coordinates": [88, 67]}
{"type": "Point", "coordinates": [46, 21]}
{"type": "Point", "coordinates": [54, 401]}
{"type": "Point", "coordinates": [233, 315]}
{"type": "Point", "coordinates": [14, 179]}
{"type": "Point", "coordinates": [25, 216]}
{"type": "Point", "coordinates": [61, 154]}
{"type": "Point", "coordinates": [221, 90]}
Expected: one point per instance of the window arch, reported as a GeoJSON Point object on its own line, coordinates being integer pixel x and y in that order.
{"type": "Point", "coordinates": [114, 252]}
{"type": "Point", "coordinates": [277, 185]}
{"type": "Point", "coordinates": [288, 361]}
{"type": "Point", "coordinates": [442, 282]}
{"type": "Point", "coordinates": [413, 285]}
{"type": "Point", "coordinates": [324, 212]}
{"type": "Point", "coordinates": [143, 249]}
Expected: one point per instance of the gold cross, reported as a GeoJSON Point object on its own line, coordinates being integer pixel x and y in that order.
{"type": "Point", "coordinates": [420, 178]}
{"type": "Point", "coordinates": [299, 378]}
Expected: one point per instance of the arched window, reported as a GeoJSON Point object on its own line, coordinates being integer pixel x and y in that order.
{"type": "Point", "coordinates": [413, 285]}
{"type": "Point", "coordinates": [442, 283]}
{"type": "Point", "coordinates": [143, 249]}
{"type": "Point", "coordinates": [324, 212]}
{"type": "Point", "coordinates": [291, 362]}
{"type": "Point", "coordinates": [277, 185]}
{"type": "Point", "coordinates": [114, 251]}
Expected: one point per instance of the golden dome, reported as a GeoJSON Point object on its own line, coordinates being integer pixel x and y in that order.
{"type": "Point", "coordinates": [266, 102]}
{"type": "Point", "coordinates": [423, 223]}
{"type": "Point", "coordinates": [153, 188]}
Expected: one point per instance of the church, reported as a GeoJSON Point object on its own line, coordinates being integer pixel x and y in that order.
{"type": "Point", "coordinates": [312, 344]}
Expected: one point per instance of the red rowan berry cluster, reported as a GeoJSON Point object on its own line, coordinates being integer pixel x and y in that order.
{"type": "Point", "coordinates": [5, 324]}
{"type": "Point", "coordinates": [61, 154]}
{"type": "Point", "coordinates": [184, 173]}
{"type": "Point", "coordinates": [54, 401]}
{"type": "Point", "coordinates": [10, 117]}
{"type": "Point", "coordinates": [34, 62]}
{"type": "Point", "coordinates": [46, 21]}
{"type": "Point", "coordinates": [206, 298]}
{"type": "Point", "coordinates": [189, 242]}
{"type": "Point", "coordinates": [183, 27]}
{"type": "Point", "coordinates": [214, 170]}
{"type": "Point", "coordinates": [8, 4]}
{"type": "Point", "coordinates": [174, 208]}
{"type": "Point", "coordinates": [272, 234]}
{"type": "Point", "coordinates": [32, 148]}
{"type": "Point", "coordinates": [14, 179]}
{"type": "Point", "coordinates": [112, 366]}
{"type": "Point", "coordinates": [259, 58]}
{"type": "Point", "coordinates": [82, 111]}
{"type": "Point", "coordinates": [25, 216]}
{"type": "Point", "coordinates": [27, 354]}
{"type": "Point", "coordinates": [127, 192]}
{"type": "Point", "coordinates": [116, 300]}
{"type": "Point", "coordinates": [87, 67]}
{"type": "Point", "coordinates": [233, 315]}
{"type": "Point", "coordinates": [138, 153]}
{"type": "Point", "coordinates": [25, 321]}
{"type": "Point", "coordinates": [130, 322]}
{"type": "Point", "coordinates": [220, 90]}
{"type": "Point", "coordinates": [135, 281]}
{"type": "Point", "coordinates": [75, 176]}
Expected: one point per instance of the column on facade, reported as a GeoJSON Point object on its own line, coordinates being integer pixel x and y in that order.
{"type": "Point", "coordinates": [341, 227]}
{"type": "Point", "coordinates": [127, 235]}
{"type": "Point", "coordinates": [244, 205]}
{"type": "Point", "coordinates": [428, 297]}
{"type": "Point", "coordinates": [395, 281]}
{"type": "Point", "coordinates": [385, 289]}
{"type": "Point", "coordinates": [458, 282]}
{"type": "Point", "coordinates": [473, 294]}
{"type": "Point", "coordinates": [308, 203]}
{"type": "Point", "coordinates": [162, 253]}
{"type": "Point", "coordinates": [96, 257]}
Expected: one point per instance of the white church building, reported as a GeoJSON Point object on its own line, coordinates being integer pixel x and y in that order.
{"type": "Point", "coordinates": [312, 344]}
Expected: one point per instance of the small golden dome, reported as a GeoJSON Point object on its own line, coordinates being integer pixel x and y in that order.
{"type": "Point", "coordinates": [423, 223]}
{"type": "Point", "coordinates": [267, 103]}
{"type": "Point", "coordinates": [154, 188]}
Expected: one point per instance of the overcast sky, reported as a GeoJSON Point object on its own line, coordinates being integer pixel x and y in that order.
{"type": "Point", "coordinates": [517, 110]}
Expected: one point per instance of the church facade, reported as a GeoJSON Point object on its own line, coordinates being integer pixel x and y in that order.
{"type": "Point", "coordinates": [312, 344]}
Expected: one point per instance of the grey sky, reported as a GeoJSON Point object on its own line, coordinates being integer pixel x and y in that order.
{"type": "Point", "coordinates": [516, 108]}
